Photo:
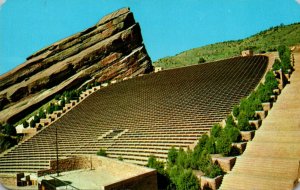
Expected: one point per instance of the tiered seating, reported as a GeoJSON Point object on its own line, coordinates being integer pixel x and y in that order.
{"type": "Point", "coordinates": [144, 115]}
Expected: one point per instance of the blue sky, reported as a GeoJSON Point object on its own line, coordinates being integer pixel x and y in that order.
{"type": "Point", "coordinates": [168, 26]}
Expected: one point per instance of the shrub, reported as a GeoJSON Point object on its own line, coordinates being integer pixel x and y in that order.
{"type": "Point", "coordinates": [236, 111]}
{"type": "Point", "coordinates": [7, 142]}
{"type": "Point", "coordinates": [39, 126]}
{"type": "Point", "coordinates": [36, 119]}
{"type": "Point", "coordinates": [243, 122]}
{"type": "Point", "coordinates": [216, 130]}
{"type": "Point", "coordinates": [67, 100]}
{"type": "Point", "coordinates": [264, 93]}
{"type": "Point", "coordinates": [89, 86]}
{"type": "Point", "coordinates": [247, 107]}
{"type": "Point", "coordinates": [62, 102]}
{"type": "Point", "coordinates": [213, 171]}
{"type": "Point", "coordinates": [181, 158]}
{"type": "Point", "coordinates": [25, 124]}
{"type": "Point", "coordinates": [42, 114]}
{"type": "Point", "coordinates": [120, 158]}
{"type": "Point", "coordinates": [57, 108]}
{"type": "Point", "coordinates": [201, 144]}
{"type": "Point", "coordinates": [230, 121]}
{"type": "Point", "coordinates": [187, 181]}
{"type": "Point", "coordinates": [233, 133]}
{"type": "Point", "coordinates": [277, 65]}
{"type": "Point", "coordinates": [257, 104]}
{"type": "Point", "coordinates": [201, 60]}
{"type": "Point", "coordinates": [172, 155]}
{"type": "Point", "coordinates": [50, 109]}
{"type": "Point", "coordinates": [204, 160]}
{"type": "Point", "coordinates": [174, 173]}
{"type": "Point", "coordinates": [32, 123]}
{"type": "Point", "coordinates": [57, 97]}
{"type": "Point", "coordinates": [10, 130]}
{"type": "Point", "coordinates": [210, 145]}
{"type": "Point", "coordinates": [155, 164]}
{"type": "Point", "coordinates": [270, 81]}
{"type": "Point", "coordinates": [101, 152]}
{"type": "Point", "coordinates": [286, 62]}
{"type": "Point", "coordinates": [223, 144]}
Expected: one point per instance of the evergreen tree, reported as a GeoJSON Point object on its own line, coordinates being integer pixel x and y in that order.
{"type": "Point", "coordinates": [172, 156]}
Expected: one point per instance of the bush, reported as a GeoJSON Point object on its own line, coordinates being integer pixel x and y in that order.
{"type": "Point", "coordinates": [25, 124]}
{"type": "Point", "coordinates": [257, 104]}
{"type": "Point", "coordinates": [187, 181]}
{"type": "Point", "coordinates": [277, 65]}
{"type": "Point", "coordinates": [210, 145]}
{"type": "Point", "coordinates": [155, 164]}
{"type": "Point", "coordinates": [174, 173]}
{"type": "Point", "coordinates": [247, 107]}
{"type": "Point", "coordinates": [236, 111]}
{"type": "Point", "coordinates": [62, 102]}
{"type": "Point", "coordinates": [270, 81]}
{"type": "Point", "coordinates": [42, 114]}
{"type": "Point", "coordinates": [57, 97]}
{"type": "Point", "coordinates": [10, 130]}
{"type": "Point", "coordinates": [223, 144]}
{"type": "Point", "coordinates": [7, 142]}
{"type": "Point", "coordinates": [281, 50]}
{"type": "Point", "coordinates": [172, 156]}
{"type": "Point", "coordinates": [286, 62]}
{"type": "Point", "coordinates": [101, 152]}
{"type": "Point", "coordinates": [230, 121]}
{"type": "Point", "coordinates": [57, 108]}
{"type": "Point", "coordinates": [50, 108]}
{"type": "Point", "coordinates": [32, 123]}
{"type": "Point", "coordinates": [120, 158]}
{"type": "Point", "coordinates": [213, 171]}
{"type": "Point", "coordinates": [233, 133]}
{"type": "Point", "coordinates": [39, 126]}
{"type": "Point", "coordinates": [204, 160]}
{"type": "Point", "coordinates": [201, 60]}
{"type": "Point", "coordinates": [36, 119]}
{"type": "Point", "coordinates": [181, 158]}
{"type": "Point", "coordinates": [243, 122]}
{"type": "Point", "coordinates": [264, 93]}
{"type": "Point", "coordinates": [216, 130]}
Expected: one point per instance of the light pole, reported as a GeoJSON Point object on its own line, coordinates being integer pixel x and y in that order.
{"type": "Point", "coordinates": [56, 143]}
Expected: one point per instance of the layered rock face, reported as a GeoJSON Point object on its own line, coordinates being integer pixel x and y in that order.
{"type": "Point", "coordinates": [110, 50]}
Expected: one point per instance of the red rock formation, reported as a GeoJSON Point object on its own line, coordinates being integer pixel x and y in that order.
{"type": "Point", "coordinates": [112, 49]}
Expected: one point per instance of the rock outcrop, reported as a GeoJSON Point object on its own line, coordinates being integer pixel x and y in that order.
{"type": "Point", "coordinates": [110, 50]}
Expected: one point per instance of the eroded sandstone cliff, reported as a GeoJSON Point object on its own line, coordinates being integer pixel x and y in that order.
{"type": "Point", "coordinates": [110, 50]}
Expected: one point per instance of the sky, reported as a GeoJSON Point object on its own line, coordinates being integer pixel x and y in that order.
{"type": "Point", "coordinates": [168, 26]}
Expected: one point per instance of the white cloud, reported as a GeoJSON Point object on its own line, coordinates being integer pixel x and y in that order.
{"type": "Point", "coordinates": [2, 2]}
{"type": "Point", "coordinates": [298, 1]}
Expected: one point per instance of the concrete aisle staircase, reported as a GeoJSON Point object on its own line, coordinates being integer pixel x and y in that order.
{"type": "Point", "coordinates": [271, 160]}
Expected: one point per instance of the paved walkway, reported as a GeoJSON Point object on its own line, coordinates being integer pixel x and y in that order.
{"type": "Point", "coordinates": [271, 160]}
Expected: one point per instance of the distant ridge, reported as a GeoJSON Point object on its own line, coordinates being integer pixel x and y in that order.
{"type": "Point", "coordinates": [267, 40]}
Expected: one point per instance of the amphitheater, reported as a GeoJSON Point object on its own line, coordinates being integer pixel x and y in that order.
{"type": "Point", "coordinates": [143, 116]}
{"type": "Point", "coordinates": [147, 115]}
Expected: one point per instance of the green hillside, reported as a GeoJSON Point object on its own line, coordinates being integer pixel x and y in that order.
{"type": "Point", "coordinates": [264, 41]}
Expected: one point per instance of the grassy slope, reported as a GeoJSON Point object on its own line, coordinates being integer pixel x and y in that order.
{"type": "Point", "coordinates": [267, 40]}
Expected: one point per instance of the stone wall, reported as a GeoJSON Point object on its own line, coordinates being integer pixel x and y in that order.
{"type": "Point", "coordinates": [147, 181]}
{"type": "Point", "coordinates": [133, 177]}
